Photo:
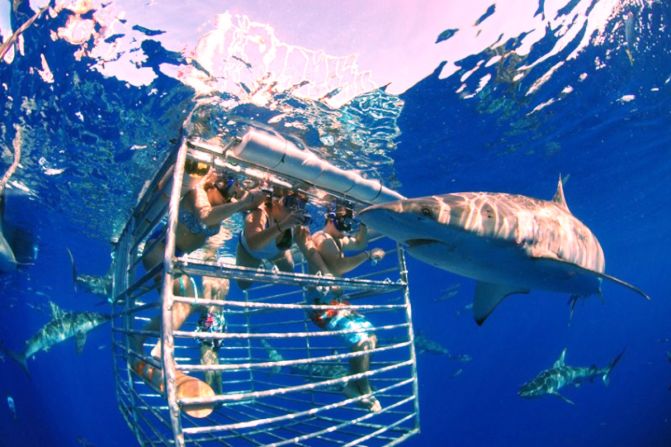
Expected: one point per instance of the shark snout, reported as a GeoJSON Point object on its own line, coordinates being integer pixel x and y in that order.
{"type": "Point", "coordinates": [394, 220]}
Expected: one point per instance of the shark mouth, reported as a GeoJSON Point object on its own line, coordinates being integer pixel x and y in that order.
{"type": "Point", "coordinates": [411, 243]}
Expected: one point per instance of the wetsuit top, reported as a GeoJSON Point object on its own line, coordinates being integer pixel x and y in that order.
{"type": "Point", "coordinates": [272, 249]}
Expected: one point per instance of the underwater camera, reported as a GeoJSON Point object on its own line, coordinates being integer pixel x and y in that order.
{"type": "Point", "coordinates": [296, 202]}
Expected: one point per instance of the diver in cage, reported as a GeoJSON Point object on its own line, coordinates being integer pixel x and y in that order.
{"type": "Point", "coordinates": [210, 200]}
{"type": "Point", "coordinates": [330, 244]}
{"type": "Point", "coordinates": [270, 230]}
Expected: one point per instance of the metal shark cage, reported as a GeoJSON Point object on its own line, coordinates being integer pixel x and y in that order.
{"type": "Point", "coordinates": [282, 377]}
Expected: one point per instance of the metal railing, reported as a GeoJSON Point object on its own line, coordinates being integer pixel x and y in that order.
{"type": "Point", "coordinates": [283, 378]}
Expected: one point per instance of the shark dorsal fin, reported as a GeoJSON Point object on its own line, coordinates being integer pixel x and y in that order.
{"type": "Point", "coordinates": [80, 340]}
{"type": "Point", "coordinates": [559, 198]}
{"type": "Point", "coordinates": [56, 311]}
{"type": "Point", "coordinates": [560, 361]}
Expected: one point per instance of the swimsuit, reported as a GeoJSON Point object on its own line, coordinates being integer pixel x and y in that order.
{"type": "Point", "coordinates": [191, 222]}
{"type": "Point", "coordinates": [159, 233]}
{"type": "Point", "coordinates": [272, 249]}
{"type": "Point", "coordinates": [335, 319]}
{"type": "Point", "coordinates": [195, 225]}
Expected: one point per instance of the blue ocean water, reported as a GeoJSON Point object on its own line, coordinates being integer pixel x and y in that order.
{"type": "Point", "coordinates": [600, 118]}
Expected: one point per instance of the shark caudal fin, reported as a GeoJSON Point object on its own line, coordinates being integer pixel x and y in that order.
{"type": "Point", "coordinates": [606, 371]}
{"type": "Point", "coordinates": [19, 358]}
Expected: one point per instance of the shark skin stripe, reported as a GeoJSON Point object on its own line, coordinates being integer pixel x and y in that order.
{"type": "Point", "coordinates": [508, 243]}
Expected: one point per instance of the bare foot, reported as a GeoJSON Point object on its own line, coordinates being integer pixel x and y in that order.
{"type": "Point", "coordinates": [369, 403]}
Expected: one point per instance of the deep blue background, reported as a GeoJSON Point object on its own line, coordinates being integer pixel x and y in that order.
{"type": "Point", "coordinates": [618, 156]}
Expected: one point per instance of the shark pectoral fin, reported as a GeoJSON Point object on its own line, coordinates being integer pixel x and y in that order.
{"type": "Point", "coordinates": [625, 284]}
{"type": "Point", "coordinates": [80, 341]}
{"type": "Point", "coordinates": [488, 296]}
{"type": "Point", "coordinates": [7, 258]}
{"type": "Point", "coordinates": [565, 399]}
{"type": "Point", "coordinates": [595, 273]}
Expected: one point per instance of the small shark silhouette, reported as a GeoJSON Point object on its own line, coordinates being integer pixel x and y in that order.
{"type": "Point", "coordinates": [508, 243]}
{"type": "Point", "coordinates": [63, 325]}
{"type": "Point", "coordinates": [311, 372]}
{"type": "Point", "coordinates": [423, 344]}
{"type": "Point", "coordinates": [550, 381]}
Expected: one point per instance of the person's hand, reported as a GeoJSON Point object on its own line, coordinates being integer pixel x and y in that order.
{"type": "Point", "coordinates": [301, 237]}
{"type": "Point", "coordinates": [291, 220]}
{"type": "Point", "coordinates": [376, 254]}
{"type": "Point", "coordinates": [208, 178]}
{"type": "Point", "coordinates": [254, 198]}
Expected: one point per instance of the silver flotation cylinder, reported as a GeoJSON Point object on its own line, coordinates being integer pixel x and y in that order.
{"type": "Point", "coordinates": [284, 157]}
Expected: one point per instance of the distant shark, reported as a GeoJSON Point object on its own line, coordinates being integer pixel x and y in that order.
{"type": "Point", "coordinates": [508, 243]}
{"type": "Point", "coordinates": [63, 325]}
{"type": "Point", "coordinates": [97, 285]}
{"type": "Point", "coordinates": [550, 381]}
{"type": "Point", "coordinates": [423, 344]}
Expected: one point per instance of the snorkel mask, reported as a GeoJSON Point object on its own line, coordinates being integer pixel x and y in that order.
{"type": "Point", "coordinates": [224, 185]}
{"type": "Point", "coordinates": [343, 221]}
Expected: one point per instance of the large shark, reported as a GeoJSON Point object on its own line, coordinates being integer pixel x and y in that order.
{"type": "Point", "coordinates": [550, 381]}
{"type": "Point", "coordinates": [17, 245]}
{"type": "Point", "coordinates": [508, 243]}
{"type": "Point", "coordinates": [63, 325]}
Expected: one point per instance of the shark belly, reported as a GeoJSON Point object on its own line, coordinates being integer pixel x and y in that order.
{"type": "Point", "coordinates": [503, 262]}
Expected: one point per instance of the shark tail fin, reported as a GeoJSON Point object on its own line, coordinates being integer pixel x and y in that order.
{"type": "Point", "coordinates": [606, 375]}
{"type": "Point", "coordinates": [20, 358]}
{"type": "Point", "coordinates": [74, 269]}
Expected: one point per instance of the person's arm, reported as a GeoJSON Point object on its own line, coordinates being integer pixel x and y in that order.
{"type": "Point", "coordinates": [307, 246]}
{"type": "Point", "coordinates": [256, 234]}
{"type": "Point", "coordinates": [334, 259]}
{"type": "Point", "coordinates": [212, 215]}
{"type": "Point", "coordinates": [358, 242]}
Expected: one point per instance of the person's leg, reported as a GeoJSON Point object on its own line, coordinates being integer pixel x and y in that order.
{"type": "Point", "coordinates": [182, 286]}
{"type": "Point", "coordinates": [285, 262]}
{"type": "Point", "coordinates": [361, 363]}
{"type": "Point", "coordinates": [213, 289]}
{"type": "Point", "coordinates": [208, 356]}
{"type": "Point", "coordinates": [244, 259]}
{"type": "Point", "coordinates": [150, 258]}
{"type": "Point", "coordinates": [364, 340]}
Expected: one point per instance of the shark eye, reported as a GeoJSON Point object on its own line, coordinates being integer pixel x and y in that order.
{"type": "Point", "coordinates": [427, 212]}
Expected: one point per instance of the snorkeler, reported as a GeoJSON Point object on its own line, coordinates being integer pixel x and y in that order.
{"type": "Point", "coordinates": [269, 232]}
{"type": "Point", "coordinates": [330, 243]}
